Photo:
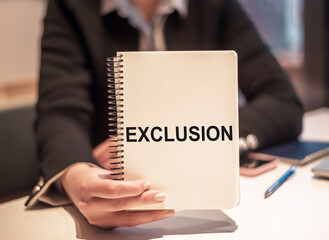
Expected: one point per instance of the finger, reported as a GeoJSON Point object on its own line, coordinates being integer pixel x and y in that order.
{"type": "Point", "coordinates": [101, 154]}
{"type": "Point", "coordinates": [112, 189]}
{"type": "Point", "coordinates": [99, 205]}
{"type": "Point", "coordinates": [104, 159]}
{"type": "Point", "coordinates": [131, 218]}
{"type": "Point", "coordinates": [104, 151]}
{"type": "Point", "coordinates": [101, 148]}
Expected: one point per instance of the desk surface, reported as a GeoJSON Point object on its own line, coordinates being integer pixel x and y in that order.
{"type": "Point", "coordinates": [297, 210]}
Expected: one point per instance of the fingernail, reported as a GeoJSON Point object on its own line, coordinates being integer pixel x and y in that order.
{"type": "Point", "coordinates": [170, 214]}
{"type": "Point", "coordinates": [160, 197]}
{"type": "Point", "coordinates": [147, 185]}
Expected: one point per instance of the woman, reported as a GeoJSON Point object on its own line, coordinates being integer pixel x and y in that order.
{"type": "Point", "coordinates": [71, 126]}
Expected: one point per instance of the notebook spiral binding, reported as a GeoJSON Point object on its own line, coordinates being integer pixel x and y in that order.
{"type": "Point", "coordinates": [317, 155]}
{"type": "Point", "coordinates": [115, 117]}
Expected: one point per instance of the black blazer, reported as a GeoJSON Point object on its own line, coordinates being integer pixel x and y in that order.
{"type": "Point", "coordinates": [72, 106]}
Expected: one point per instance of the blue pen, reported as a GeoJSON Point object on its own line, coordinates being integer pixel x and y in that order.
{"type": "Point", "coordinates": [280, 181]}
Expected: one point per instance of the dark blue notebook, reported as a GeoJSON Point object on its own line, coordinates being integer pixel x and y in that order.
{"type": "Point", "coordinates": [299, 152]}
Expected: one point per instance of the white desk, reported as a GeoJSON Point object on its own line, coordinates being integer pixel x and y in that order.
{"type": "Point", "coordinates": [297, 210]}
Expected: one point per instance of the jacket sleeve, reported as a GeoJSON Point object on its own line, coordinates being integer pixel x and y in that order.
{"type": "Point", "coordinates": [65, 107]}
{"type": "Point", "coordinates": [273, 112]}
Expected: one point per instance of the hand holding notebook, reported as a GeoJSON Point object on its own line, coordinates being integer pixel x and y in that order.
{"type": "Point", "coordinates": [178, 124]}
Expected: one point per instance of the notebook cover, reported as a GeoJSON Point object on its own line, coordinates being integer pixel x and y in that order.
{"type": "Point", "coordinates": [170, 90]}
{"type": "Point", "coordinates": [299, 152]}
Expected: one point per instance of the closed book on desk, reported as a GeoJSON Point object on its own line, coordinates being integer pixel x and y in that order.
{"type": "Point", "coordinates": [177, 124]}
{"type": "Point", "coordinates": [296, 152]}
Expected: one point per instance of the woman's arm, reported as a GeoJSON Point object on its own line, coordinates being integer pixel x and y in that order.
{"type": "Point", "coordinates": [273, 112]}
{"type": "Point", "coordinates": [65, 108]}
{"type": "Point", "coordinates": [64, 127]}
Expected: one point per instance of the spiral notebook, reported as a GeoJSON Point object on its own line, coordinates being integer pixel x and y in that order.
{"type": "Point", "coordinates": [175, 116]}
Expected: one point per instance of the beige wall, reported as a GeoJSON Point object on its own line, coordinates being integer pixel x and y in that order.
{"type": "Point", "coordinates": [20, 31]}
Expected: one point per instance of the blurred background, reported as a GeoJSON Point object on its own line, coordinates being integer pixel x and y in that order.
{"type": "Point", "coordinates": [297, 32]}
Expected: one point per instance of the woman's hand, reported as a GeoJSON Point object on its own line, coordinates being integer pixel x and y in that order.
{"type": "Point", "coordinates": [103, 201]}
